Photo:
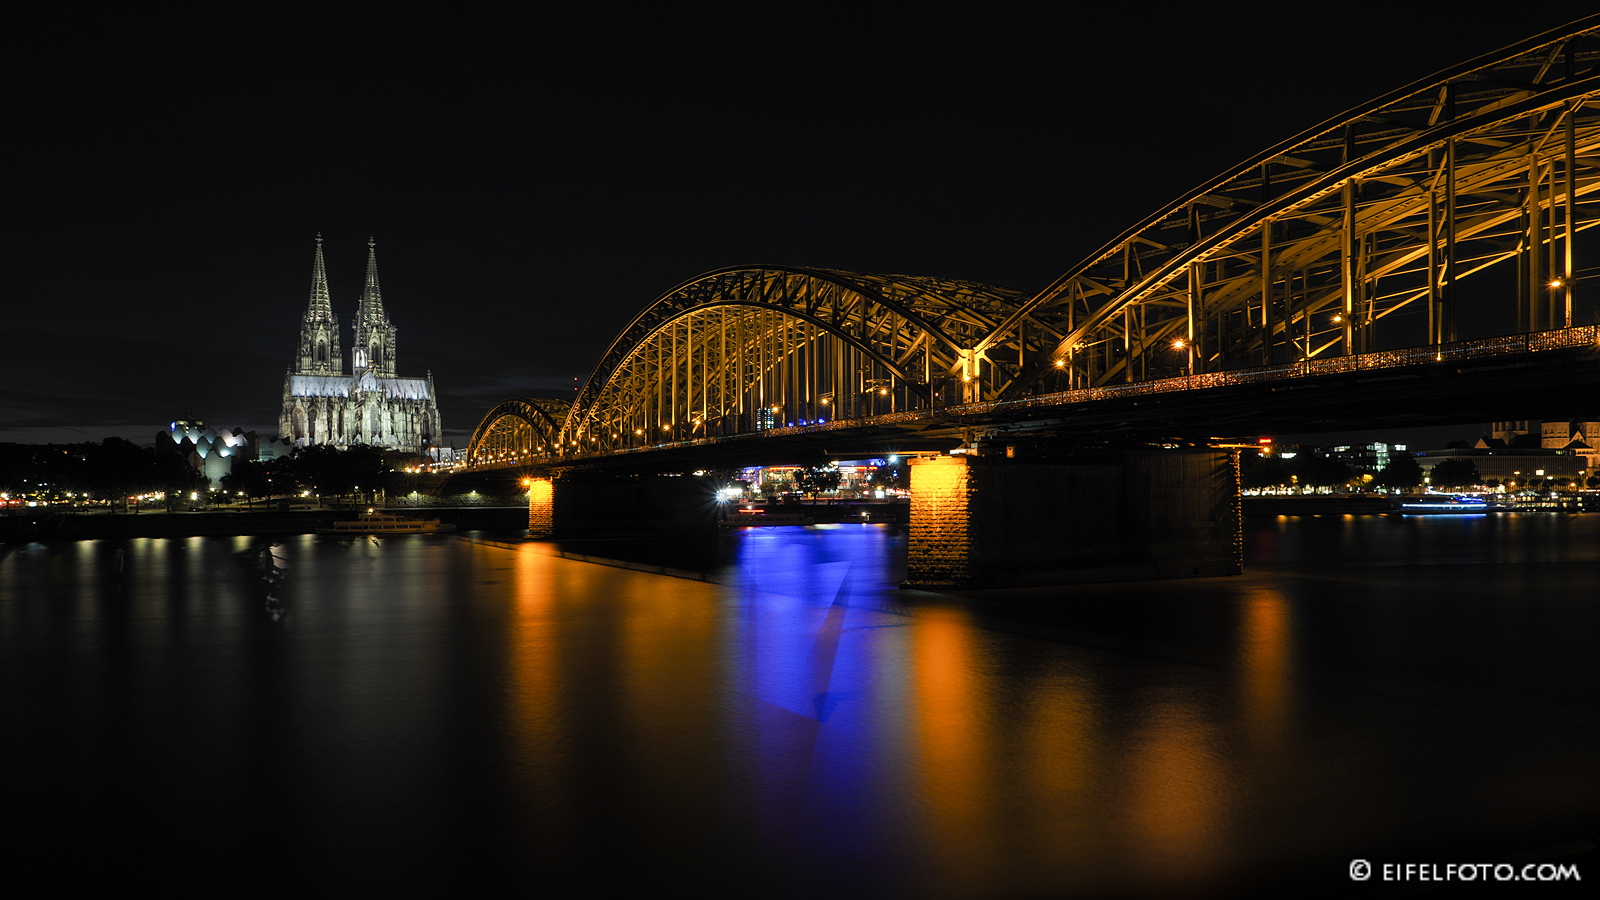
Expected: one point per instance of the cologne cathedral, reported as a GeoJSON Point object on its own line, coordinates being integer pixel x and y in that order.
{"type": "Point", "coordinates": [369, 404]}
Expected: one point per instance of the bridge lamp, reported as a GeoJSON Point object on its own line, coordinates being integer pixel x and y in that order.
{"type": "Point", "coordinates": [1337, 318]}
{"type": "Point", "coordinates": [1555, 284]}
{"type": "Point", "coordinates": [1179, 344]}
{"type": "Point", "coordinates": [885, 391]}
{"type": "Point", "coordinates": [1061, 364]}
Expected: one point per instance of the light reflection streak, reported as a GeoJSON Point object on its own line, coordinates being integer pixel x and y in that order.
{"type": "Point", "coordinates": [1059, 756]}
{"type": "Point", "coordinates": [1267, 667]}
{"type": "Point", "coordinates": [953, 735]}
{"type": "Point", "coordinates": [536, 714]}
{"type": "Point", "coordinates": [1174, 809]}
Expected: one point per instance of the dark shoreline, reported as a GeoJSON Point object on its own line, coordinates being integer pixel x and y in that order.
{"type": "Point", "coordinates": [87, 526]}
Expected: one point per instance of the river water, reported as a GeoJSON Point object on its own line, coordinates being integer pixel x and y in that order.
{"type": "Point", "coordinates": [472, 713]}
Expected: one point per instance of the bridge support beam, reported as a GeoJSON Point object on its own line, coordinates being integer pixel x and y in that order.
{"type": "Point", "coordinates": [1129, 516]}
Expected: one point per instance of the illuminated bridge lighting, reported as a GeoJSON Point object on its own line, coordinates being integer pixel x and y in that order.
{"type": "Point", "coordinates": [1338, 263]}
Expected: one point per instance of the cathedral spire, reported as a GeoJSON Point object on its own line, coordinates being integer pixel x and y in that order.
{"type": "Point", "coordinates": [374, 339]}
{"type": "Point", "coordinates": [370, 293]}
{"type": "Point", "coordinates": [319, 329]}
{"type": "Point", "coordinates": [321, 306]}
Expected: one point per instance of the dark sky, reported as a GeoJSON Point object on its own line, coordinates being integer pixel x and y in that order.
{"type": "Point", "coordinates": [534, 182]}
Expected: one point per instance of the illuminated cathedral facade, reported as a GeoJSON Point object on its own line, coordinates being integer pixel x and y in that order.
{"type": "Point", "coordinates": [323, 403]}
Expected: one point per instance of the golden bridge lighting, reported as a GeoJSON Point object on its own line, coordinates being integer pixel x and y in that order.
{"type": "Point", "coordinates": [1556, 283]}
{"type": "Point", "coordinates": [1179, 344]}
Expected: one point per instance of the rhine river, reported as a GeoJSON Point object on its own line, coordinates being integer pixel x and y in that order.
{"type": "Point", "coordinates": [469, 713]}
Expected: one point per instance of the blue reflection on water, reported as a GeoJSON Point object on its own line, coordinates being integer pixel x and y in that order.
{"type": "Point", "coordinates": [808, 616]}
{"type": "Point", "coordinates": [436, 706]}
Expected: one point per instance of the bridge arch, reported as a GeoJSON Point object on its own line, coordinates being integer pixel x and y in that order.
{"type": "Point", "coordinates": [517, 431]}
{"type": "Point", "coordinates": [1351, 237]}
{"type": "Point", "coordinates": [751, 348]}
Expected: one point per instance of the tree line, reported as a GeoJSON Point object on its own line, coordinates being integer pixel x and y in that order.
{"type": "Point", "coordinates": [1313, 469]}
{"type": "Point", "coordinates": [326, 471]}
{"type": "Point", "coordinates": [116, 469]}
{"type": "Point", "coordinates": [108, 472]}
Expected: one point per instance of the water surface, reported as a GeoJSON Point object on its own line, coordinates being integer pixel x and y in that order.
{"type": "Point", "coordinates": [428, 713]}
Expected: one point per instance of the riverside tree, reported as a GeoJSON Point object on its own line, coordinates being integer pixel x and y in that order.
{"type": "Point", "coordinates": [1401, 472]}
{"type": "Point", "coordinates": [1454, 473]}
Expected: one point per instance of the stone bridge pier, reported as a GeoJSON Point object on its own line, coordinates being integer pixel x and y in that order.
{"type": "Point", "coordinates": [986, 521]}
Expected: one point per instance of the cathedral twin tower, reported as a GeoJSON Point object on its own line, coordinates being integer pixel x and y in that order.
{"type": "Point", "coordinates": [370, 404]}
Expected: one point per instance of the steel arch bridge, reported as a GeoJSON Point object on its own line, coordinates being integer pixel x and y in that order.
{"type": "Point", "coordinates": [515, 432]}
{"type": "Point", "coordinates": [1366, 234]}
{"type": "Point", "coordinates": [749, 349]}
{"type": "Point", "coordinates": [1352, 236]}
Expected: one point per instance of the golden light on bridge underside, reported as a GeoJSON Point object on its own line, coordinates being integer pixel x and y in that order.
{"type": "Point", "coordinates": [1556, 284]}
{"type": "Point", "coordinates": [1179, 344]}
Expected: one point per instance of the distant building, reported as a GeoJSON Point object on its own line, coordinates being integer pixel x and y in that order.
{"type": "Point", "coordinates": [370, 404]}
{"type": "Point", "coordinates": [1373, 457]}
{"type": "Point", "coordinates": [213, 451]}
{"type": "Point", "coordinates": [1514, 463]}
{"type": "Point", "coordinates": [1580, 438]}
{"type": "Point", "coordinates": [1508, 432]}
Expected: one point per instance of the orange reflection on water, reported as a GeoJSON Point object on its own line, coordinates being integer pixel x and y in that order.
{"type": "Point", "coordinates": [540, 760]}
{"type": "Point", "coordinates": [1058, 762]}
{"type": "Point", "coordinates": [1175, 804]}
{"type": "Point", "coordinates": [1266, 664]}
{"type": "Point", "coordinates": [952, 733]}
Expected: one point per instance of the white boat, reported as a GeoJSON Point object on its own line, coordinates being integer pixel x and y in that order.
{"type": "Point", "coordinates": [374, 522]}
{"type": "Point", "coordinates": [1444, 505]}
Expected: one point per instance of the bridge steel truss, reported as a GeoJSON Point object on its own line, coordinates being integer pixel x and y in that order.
{"type": "Point", "coordinates": [749, 349]}
{"type": "Point", "coordinates": [1349, 238]}
{"type": "Point", "coordinates": [517, 431]}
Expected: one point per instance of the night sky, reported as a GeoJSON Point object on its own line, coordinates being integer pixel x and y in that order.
{"type": "Point", "coordinates": [532, 183]}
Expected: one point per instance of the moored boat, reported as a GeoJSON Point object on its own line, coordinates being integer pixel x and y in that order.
{"type": "Point", "coordinates": [1444, 505]}
{"type": "Point", "coordinates": [745, 518]}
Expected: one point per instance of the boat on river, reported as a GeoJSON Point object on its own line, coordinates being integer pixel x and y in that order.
{"type": "Point", "coordinates": [746, 518]}
{"type": "Point", "coordinates": [1444, 505]}
{"type": "Point", "coordinates": [374, 522]}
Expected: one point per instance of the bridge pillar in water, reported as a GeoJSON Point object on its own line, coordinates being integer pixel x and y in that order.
{"type": "Point", "coordinates": [541, 506]}
{"type": "Point", "coordinates": [1124, 516]}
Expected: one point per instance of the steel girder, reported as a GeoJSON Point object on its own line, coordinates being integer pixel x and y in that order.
{"type": "Point", "coordinates": [1350, 237]}
{"type": "Point", "coordinates": [754, 347]}
{"type": "Point", "coordinates": [517, 431]}
{"type": "Point", "coordinates": [1353, 237]}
